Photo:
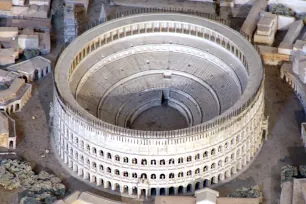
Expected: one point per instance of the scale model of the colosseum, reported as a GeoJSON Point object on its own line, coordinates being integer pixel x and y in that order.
{"type": "Point", "coordinates": [109, 79]}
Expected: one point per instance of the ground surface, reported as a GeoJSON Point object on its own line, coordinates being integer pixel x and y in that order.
{"type": "Point", "coordinates": [283, 146]}
{"type": "Point", "coordinates": [160, 118]}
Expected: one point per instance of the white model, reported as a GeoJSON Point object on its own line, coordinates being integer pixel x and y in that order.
{"type": "Point", "coordinates": [107, 77]}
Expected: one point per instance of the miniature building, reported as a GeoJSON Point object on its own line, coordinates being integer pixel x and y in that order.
{"type": "Point", "coordinates": [84, 198]}
{"type": "Point", "coordinates": [294, 81]}
{"type": "Point", "coordinates": [84, 3]}
{"type": "Point", "coordinates": [286, 45]}
{"type": "Point", "coordinates": [44, 42]}
{"type": "Point", "coordinates": [41, 24]}
{"type": "Point", "coordinates": [250, 23]}
{"type": "Point", "coordinates": [15, 96]}
{"type": "Point", "coordinates": [296, 58]}
{"type": "Point", "coordinates": [32, 69]}
{"type": "Point", "coordinates": [206, 196]}
{"type": "Point", "coordinates": [40, 2]}
{"type": "Point", "coordinates": [7, 56]}
{"type": "Point", "coordinates": [266, 28]}
{"type": "Point", "coordinates": [8, 32]}
{"type": "Point", "coordinates": [7, 132]}
{"type": "Point", "coordinates": [300, 45]}
{"type": "Point", "coordinates": [28, 42]}
{"type": "Point", "coordinates": [6, 5]}
{"type": "Point", "coordinates": [294, 192]}
{"type": "Point", "coordinates": [18, 2]}
{"type": "Point", "coordinates": [89, 77]}
{"type": "Point", "coordinates": [36, 11]}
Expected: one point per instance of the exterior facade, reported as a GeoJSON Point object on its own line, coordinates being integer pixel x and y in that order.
{"type": "Point", "coordinates": [15, 96]}
{"type": "Point", "coordinates": [7, 132]}
{"type": "Point", "coordinates": [148, 163]}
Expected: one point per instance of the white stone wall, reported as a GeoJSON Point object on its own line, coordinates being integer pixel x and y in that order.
{"type": "Point", "coordinates": [166, 162]}
{"type": "Point", "coordinates": [156, 165]}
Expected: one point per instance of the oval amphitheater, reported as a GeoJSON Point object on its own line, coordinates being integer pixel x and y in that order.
{"type": "Point", "coordinates": [158, 104]}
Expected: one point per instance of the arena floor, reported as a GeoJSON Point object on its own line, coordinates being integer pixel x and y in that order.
{"type": "Point", "coordinates": [283, 146]}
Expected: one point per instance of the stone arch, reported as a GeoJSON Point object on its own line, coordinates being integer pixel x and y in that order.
{"type": "Point", "coordinates": [36, 74]}
{"type": "Point", "coordinates": [117, 187]}
{"type": "Point", "coordinates": [153, 176]}
{"type": "Point", "coordinates": [162, 176]}
{"type": "Point", "coordinates": [205, 155]}
{"type": "Point", "coordinates": [205, 169]}
{"type": "Point", "coordinates": [125, 189]}
{"type": "Point", "coordinates": [171, 175]}
{"type": "Point", "coordinates": [143, 193]}
{"type": "Point", "coordinates": [101, 153]}
{"type": "Point", "coordinates": [226, 160]}
{"type": "Point", "coordinates": [197, 171]}
{"type": "Point", "coordinates": [180, 174]}
{"type": "Point", "coordinates": [100, 182]}
{"type": "Point", "coordinates": [126, 160]}
{"type": "Point", "coordinates": [220, 149]}
{"type": "Point", "coordinates": [162, 162]}
{"type": "Point", "coordinates": [134, 161]}
{"type": "Point", "coordinates": [213, 166]}
{"type": "Point", "coordinates": [197, 185]}
{"type": "Point", "coordinates": [11, 145]}
{"type": "Point", "coordinates": [109, 185]}
{"type": "Point", "coordinates": [94, 150]}
{"type": "Point", "coordinates": [189, 159]}
{"type": "Point", "coordinates": [180, 190]}
{"type": "Point", "coordinates": [101, 168]}
{"type": "Point", "coordinates": [153, 191]}
{"type": "Point", "coordinates": [134, 190]}
{"type": "Point", "coordinates": [162, 191]}
{"type": "Point", "coordinates": [25, 78]}
{"type": "Point", "coordinates": [143, 176]}
{"type": "Point", "coordinates": [93, 179]}
{"type": "Point", "coordinates": [189, 188]}
{"type": "Point", "coordinates": [134, 175]}
{"type": "Point", "coordinates": [171, 191]}
{"type": "Point", "coordinates": [117, 172]}
{"type": "Point", "coordinates": [117, 158]}
{"type": "Point", "coordinates": [189, 173]}
{"type": "Point", "coordinates": [206, 183]}
{"type": "Point", "coordinates": [171, 161]}
{"type": "Point", "coordinates": [125, 174]}
{"type": "Point", "coordinates": [153, 162]}
{"type": "Point", "coordinates": [109, 156]}
{"type": "Point", "coordinates": [213, 152]}
{"type": "Point", "coordinates": [143, 162]}
{"type": "Point", "coordinates": [180, 160]}
{"type": "Point", "coordinates": [17, 107]}
{"type": "Point", "coordinates": [109, 170]}
{"type": "Point", "coordinates": [197, 156]}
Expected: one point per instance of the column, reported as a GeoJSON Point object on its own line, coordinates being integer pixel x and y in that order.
{"type": "Point", "coordinates": [130, 190]}
{"type": "Point", "coordinates": [175, 190]}
{"type": "Point", "coordinates": [106, 184]}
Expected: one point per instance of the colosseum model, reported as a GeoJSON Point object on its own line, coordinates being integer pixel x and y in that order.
{"type": "Point", "coordinates": [158, 104]}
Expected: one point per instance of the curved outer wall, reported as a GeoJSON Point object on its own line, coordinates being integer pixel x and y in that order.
{"type": "Point", "coordinates": [162, 162]}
